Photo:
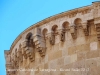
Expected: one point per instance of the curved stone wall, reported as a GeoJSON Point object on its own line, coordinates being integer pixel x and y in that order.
{"type": "Point", "coordinates": [64, 44]}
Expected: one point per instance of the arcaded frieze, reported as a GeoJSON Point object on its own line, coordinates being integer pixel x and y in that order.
{"type": "Point", "coordinates": [69, 14]}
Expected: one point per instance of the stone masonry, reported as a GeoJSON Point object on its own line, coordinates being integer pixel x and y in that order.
{"type": "Point", "coordinates": [65, 44]}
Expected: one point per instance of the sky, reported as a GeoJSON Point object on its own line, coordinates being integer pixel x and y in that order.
{"type": "Point", "coordinates": [17, 15]}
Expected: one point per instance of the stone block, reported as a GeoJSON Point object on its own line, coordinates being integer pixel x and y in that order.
{"type": "Point", "coordinates": [56, 47]}
{"type": "Point", "coordinates": [90, 63]}
{"type": "Point", "coordinates": [81, 56]}
{"type": "Point", "coordinates": [45, 73]}
{"type": "Point", "coordinates": [46, 58]}
{"type": "Point", "coordinates": [80, 40]}
{"type": "Point", "coordinates": [92, 54]}
{"type": "Point", "coordinates": [41, 66]}
{"type": "Point", "coordinates": [60, 61]}
{"type": "Point", "coordinates": [28, 73]}
{"type": "Point", "coordinates": [65, 52]}
{"type": "Point", "coordinates": [55, 55]}
{"type": "Point", "coordinates": [94, 71]}
{"type": "Point", "coordinates": [46, 66]}
{"type": "Point", "coordinates": [98, 61]}
{"type": "Point", "coordinates": [93, 38]}
{"type": "Point", "coordinates": [71, 50]}
{"type": "Point", "coordinates": [36, 72]}
{"type": "Point", "coordinates": [93, 46]}
{"type": "Point", "coordinates": [86, 47]}
{"type": "Point", "coordinates": [79, 64]}
{"type": "Point", "coordinates": [53, 64]}
{"type": "Point", "coordinates": [73, 58]}
{"type": "Point", "coordinates": [62, 45]}
{"type": "Point", "coordinates": [68, 66]}
{"type": "Point", "coordinates": [67, 60]}
{"type": "Point", "coordinates": [57, 39]}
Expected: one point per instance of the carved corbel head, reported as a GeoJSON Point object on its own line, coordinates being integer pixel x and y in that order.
{"type": "Point", "coordinates": [24, 52]}
{"type": "Point", "coordinates": [85, 28]}
{"type": "Point", "coordinates": [73, 32]}
{"type": "Point", "coordinates": [79, 25]}
{"type": "Point", "coordinates": [62, 35]}
{"type": "Point", "coordinates": [52, 39]}
{"type": "Point", "coordinates": [67, 29]}
{"type": "Point", "coordinates": [42, 51]}
{"type": "Point", "coordinates": [18, 54]}
{"type": "Point", "coordinates": [24, 44]}
{"type": "Point", "coordinates": [84, 25]}
{"type": "Point", "coordinates": [72, 29]}
{"type": "Point", "coordinates": [26, 49]}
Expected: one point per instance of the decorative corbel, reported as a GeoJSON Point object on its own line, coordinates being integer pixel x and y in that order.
{"type": "Point", "coordinates": [16, 61]}
{"type": "Point", "coordinates": [52, 39]}
{"type": "Point", "coordinates": [85, 28]}
{"type": "Point", "coordinates": [40, 42]}
{"type": "Point", "coordinates": [63, 35]}
{"type": "Point", "coordinates": [29, 49]}
{"type": "Point", "coordinates": [23, 49]}
{"type": "Point", "coordinates": [20, 55]}
{"type": "Point", "coordinates": [31, 54]}
{"type": "Point", "coordinates": [73, 31]}
{"type": "Point", "coordinates": [41, 51]}
{"type": "Point", "coordinates": [13, 62]}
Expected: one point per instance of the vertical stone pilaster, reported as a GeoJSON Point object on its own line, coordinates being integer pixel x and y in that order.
{"type": "Point", "coordinates": [85, 28]}
{"type": "Point", "coordinates": [73, 31]}
{"type": "Point", "coordinates": [98, 31]}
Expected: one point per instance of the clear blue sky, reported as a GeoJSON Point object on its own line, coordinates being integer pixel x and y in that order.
{"type": "Point", "coordinates": [17, 15]}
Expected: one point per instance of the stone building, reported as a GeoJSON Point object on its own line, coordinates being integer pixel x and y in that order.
{"type": "Point", "coordinates": [65, 44]}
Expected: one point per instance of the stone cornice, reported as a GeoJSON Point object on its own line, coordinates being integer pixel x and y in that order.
{"type": "Point", "coordinates": [66, 13]}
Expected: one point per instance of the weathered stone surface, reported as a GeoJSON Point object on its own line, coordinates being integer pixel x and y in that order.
{"type": "Point", "coordinates": [60, 61]}
{"type": "Point", "coordinates": [81, 56]}
{"type": "Point", "coordinates": [67, 60]}
{"type": "Point", "coordinates": [43, 46]}
{"type": "Point", "coordinates": [93, 46]}
{"type": "Point", "coordinates": [73, 58]}
{"type": "Point", "coordinates": [55, 55]}
{"type": "Point", "coordinates": [92, 54]}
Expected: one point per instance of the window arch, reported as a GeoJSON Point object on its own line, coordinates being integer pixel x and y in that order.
{"type": "Point", "coordinates": [65, 24]}
{"type": "Point", "coordinates": [54, 28]}
{"type": "Point", "coordinates": [44, 32]}
{"type": "Point", "coordinates": [77, 21]}
{"type": "Point", "coordinates": [29, 39]}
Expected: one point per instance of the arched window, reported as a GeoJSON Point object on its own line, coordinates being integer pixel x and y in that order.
{"type": "Point", "coordinates": [53, 33]}
{"type": "Point", "coordinates": [29, 39]}
{"type": "Point", "coordinates": [77, 21]}
{"type": "Point", "coordinates": [54, 28]}
{"type": "Point", "coordinates": [65, 25]}
{"type": "Point", "coordinates": [44, 32]}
